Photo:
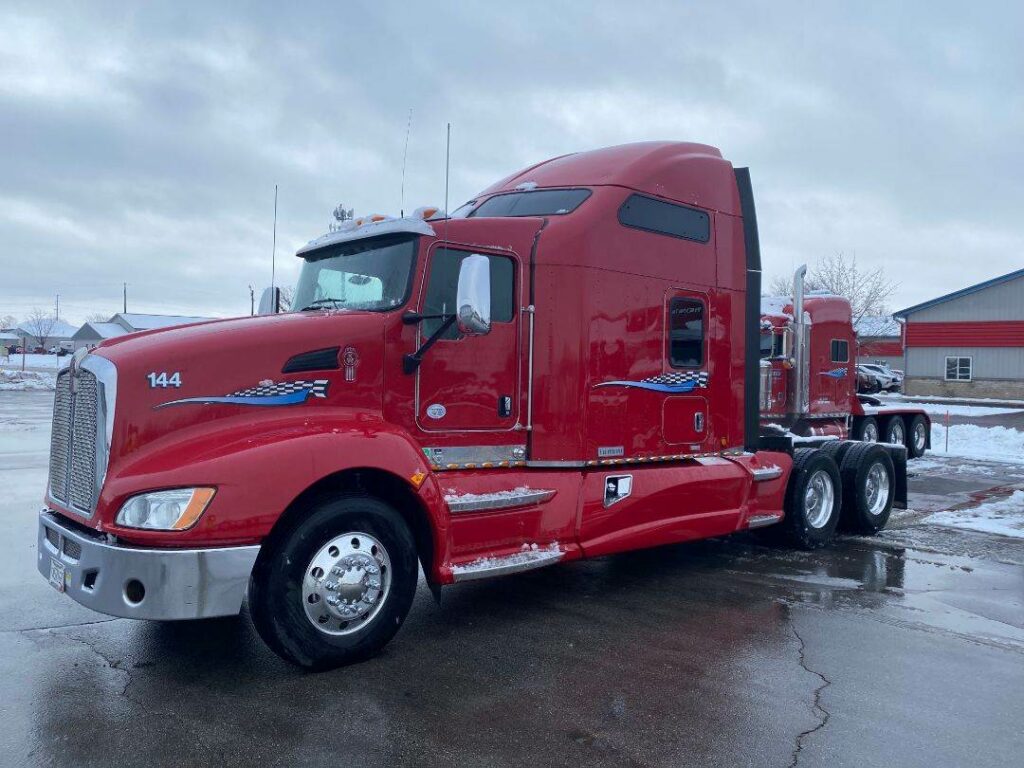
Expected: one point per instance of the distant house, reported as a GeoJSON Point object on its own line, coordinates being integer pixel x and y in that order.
{"type": "Point", "coordinates": [60, 335]}
{"type": "Point", "coordinates": [968, 343]}
{"type": "Point", "coordinates": [880, 340]}
{"type": "Point", "coordinates": [91, 334]}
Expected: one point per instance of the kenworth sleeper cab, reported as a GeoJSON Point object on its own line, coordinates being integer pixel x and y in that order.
{"type": "Point", "coordinates": [568, 366]}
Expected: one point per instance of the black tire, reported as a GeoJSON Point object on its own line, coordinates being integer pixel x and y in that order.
{"type": "Point", "coordinates": [796, 527]}
{"type": "Point", "coordinates": [863, 510]}
{"type": "Point", "coordinates": [917, 437]}
{"type": "Point", "coordinates": [836, 449]}
{"type": "Point", "coordinates": [864, 427]}
{"type": "Point", "coordinates": [895, 431]}
{"type": "Point", "coordinates": [276, 602]}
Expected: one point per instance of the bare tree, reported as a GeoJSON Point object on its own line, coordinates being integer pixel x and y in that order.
{"type": "Point", "coordinates": [287, 297]}
{"type": "Point", "coordinates": [40, 324]}
{"type": "Point", "coordinates": [97, 317]}
{"type": "Point", "coordinates": [868, 290]}
{"type": "Point", "coordinates": [8, 321]}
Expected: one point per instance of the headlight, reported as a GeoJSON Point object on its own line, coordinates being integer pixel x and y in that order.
{"type": "Point", "coordinates": [173, 510]}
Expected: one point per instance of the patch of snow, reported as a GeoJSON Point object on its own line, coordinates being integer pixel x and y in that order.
{"type": "Point", "coordinates": [529, 554]}
{"type": "Point", "coordinates": [977, 442]}
{"type": "Point", "coordinates": [941, 409]}
{"type": "Point", "coordinates": [1004, 517]}
{"type": "Point", "coordinates": [874, 326]}
{"type": "Point", "coordinates": [924, 400]}
{"type": "Point", "coordinates": [23, 381]}
{"type": "Point", "coordinates": [35, 361]}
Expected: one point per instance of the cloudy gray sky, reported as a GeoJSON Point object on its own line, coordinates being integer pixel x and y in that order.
{"type": "Point", "coordinates": [142, 142]}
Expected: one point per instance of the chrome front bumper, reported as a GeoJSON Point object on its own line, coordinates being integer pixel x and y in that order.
{"type": "Point", "coordinates": [175, 583]}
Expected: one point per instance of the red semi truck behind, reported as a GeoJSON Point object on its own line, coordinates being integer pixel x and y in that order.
{"type": "Point", "coordinates": [567, 367]}
{"type": "Point", "coordinates": [809, 380]}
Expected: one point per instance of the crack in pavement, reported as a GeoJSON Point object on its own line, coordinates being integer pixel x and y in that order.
{"type": "Point", "coordinates": [47, 628]}
{"type": "Point", "coordinates": [822, 713]}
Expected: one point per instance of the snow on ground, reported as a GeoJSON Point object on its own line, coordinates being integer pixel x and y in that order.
{"type": "Point", "coordinates": [35, 361]}
{"type": "Point", "coordinates": [22, 381]}
{"type": "Point", "coordinates": [976, 442]}
{"type": "Point", "coordinates": [1003, 516]}
{"type": "Point", "coordinates": [941, 409]}
{"type": "Point", "coordinates": [901, 399]}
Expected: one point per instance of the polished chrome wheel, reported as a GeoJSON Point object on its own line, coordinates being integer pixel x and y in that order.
{"type": "Point", "coordinates": [819, 499]}
{"type": "Point", "coordinates": [346, 583]}
{"type": "Point", "coordinates": [876, 489]}
{"type": "Point", "coordinates": [896, 434]}
{"type": "Point", "coordinates": [920, 437]}
{"type": "Point", "coordinates": [870, 434]}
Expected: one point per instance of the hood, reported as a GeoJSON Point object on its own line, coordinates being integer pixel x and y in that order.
{"type": "Point", "coordinates": [187, 378]}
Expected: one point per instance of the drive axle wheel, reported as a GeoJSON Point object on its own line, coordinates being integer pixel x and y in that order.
{"type": "Point", "coordinates": [867, 430]}
{"type": "Point", "coordinates": [868, 488]}
{"type": "Point", "coordinates": [895, 432]}
{"type": "Point", "coordinates": [336, 586]}
{"type": "Point", "coordinates": [812, 500]}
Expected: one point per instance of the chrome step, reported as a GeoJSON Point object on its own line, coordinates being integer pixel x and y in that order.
{"type": "Point", "coordinates": [760, 521]}
{"type": "Point", "coordinates": [480, 502]}
{"type": "Point", "coordinates": [524, 560]}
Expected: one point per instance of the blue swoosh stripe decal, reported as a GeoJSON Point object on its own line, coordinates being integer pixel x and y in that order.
{"type": "Point", "coordinates": [652, 386]}
{"type": "Point", "coordinates": [294, 398]}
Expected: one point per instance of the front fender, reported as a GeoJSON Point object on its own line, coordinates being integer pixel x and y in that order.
{"type": "Point", "coordinates": [259, 466]}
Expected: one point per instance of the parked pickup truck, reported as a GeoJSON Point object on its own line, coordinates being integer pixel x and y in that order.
{"type": "Point", "coordinates": [567, 367]}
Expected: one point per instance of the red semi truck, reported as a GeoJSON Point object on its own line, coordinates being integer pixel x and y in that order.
{"type": "Point", "coordinates": [808, 375]}
{"type": "Point", "coordinates": [568, 366]}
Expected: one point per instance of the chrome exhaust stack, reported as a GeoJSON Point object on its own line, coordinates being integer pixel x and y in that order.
{"type": "Point", "coordinates": [800, 382]}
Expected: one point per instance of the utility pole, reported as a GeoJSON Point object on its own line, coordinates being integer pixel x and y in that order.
{"type": "Point", "coordinates": [125, 289]}
{"type": "Point", "coordinates": [273, 252]}
{"type": "Point", "coordinates": [252, 300]}
{"type": "Point", "coordinates": [57, 312]}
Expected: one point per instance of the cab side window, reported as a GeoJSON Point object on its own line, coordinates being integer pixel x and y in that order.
{"type": "Point", "coordinates": [840, 351]}
{"type": "Point", "coordinates": [686, 333]}
{"type": "Point", "coordinates": [443, 283]}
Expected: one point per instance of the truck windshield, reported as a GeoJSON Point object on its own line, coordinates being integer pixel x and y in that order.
{"type": "Point", "coordinates": [369, 275]}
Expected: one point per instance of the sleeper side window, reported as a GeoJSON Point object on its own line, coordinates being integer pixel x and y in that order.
{"type": "Point", "coordinates": [443, 284]}
{"type": "Point", "coordinates": [840, 351]}
{"type": "Point", "coordinates": [685, 332]}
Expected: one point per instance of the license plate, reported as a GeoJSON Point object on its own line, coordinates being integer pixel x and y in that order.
{"type": "Point", "coordinates": [57, 574]}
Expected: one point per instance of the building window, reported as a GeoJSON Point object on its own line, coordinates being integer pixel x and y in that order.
{"type": "Point", "coordinates": [840, 351]}
{"type": "Point", "coordinates": [959, 368]}
{"type": "Point", "coordinates": [685, 333]}
{"type": "Point", "coordinates": [653, 215]}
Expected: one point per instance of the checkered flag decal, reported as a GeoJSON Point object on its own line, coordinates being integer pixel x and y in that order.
{"type": "Point", "coordinates": [697, 378]}
{"type": "Point", "coordinates": [317, 388]}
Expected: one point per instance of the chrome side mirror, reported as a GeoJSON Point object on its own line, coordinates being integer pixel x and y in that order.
{"type": "Point", "coordinates": [473, 298]}
{"type": "Point", "coordinates": [270, 301]}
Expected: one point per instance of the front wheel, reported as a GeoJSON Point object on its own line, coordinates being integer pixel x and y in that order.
{"type": "Point", "coordinates": [335, 587]}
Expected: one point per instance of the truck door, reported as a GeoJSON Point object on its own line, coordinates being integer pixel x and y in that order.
{"type": "Point", "coordinates": [684, 415]}
{"type": "Point", "coordinates": [469, 384]}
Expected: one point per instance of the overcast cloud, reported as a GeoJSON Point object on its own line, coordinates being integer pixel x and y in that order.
{"type": "Point", "coordinates": [142, 142]}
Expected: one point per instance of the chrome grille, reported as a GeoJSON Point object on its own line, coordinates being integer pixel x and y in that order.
{"type": "Point", "coordinates": [83, 442]}
{"type": "Point", "coordinates": [80, 441]}
{"type": "Point", "coordinates": [60, 438]}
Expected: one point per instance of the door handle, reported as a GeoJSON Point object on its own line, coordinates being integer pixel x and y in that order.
{"type": "Point", "coordinates": [698, 421]}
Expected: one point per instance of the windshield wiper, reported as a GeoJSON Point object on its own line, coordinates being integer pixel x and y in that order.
{"type": "Point", "coordinates": [318, 303]}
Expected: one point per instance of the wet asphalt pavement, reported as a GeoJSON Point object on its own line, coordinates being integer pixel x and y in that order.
{"type": "Point", "coordinates": [906, 649]}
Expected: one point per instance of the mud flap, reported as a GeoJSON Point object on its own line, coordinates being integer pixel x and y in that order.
{"type": "Point", "coordinates": [898, 454]}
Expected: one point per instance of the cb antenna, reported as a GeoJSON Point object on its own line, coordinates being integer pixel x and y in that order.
{"type": "Point", "coordinates": [405, 156]}
{"type": "Point", "coordinates": [447, 167]}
